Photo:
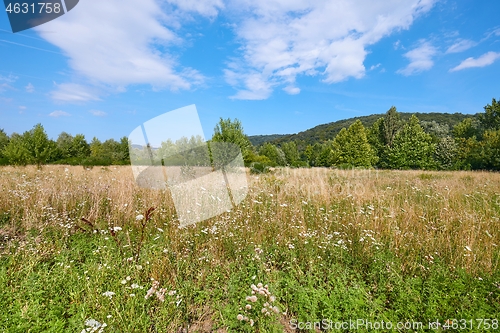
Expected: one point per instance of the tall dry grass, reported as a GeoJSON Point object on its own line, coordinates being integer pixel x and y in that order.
{"type": "Point", "coordinates": [419, 216]}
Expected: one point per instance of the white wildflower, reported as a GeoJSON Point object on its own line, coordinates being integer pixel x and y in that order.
{"type": "Point", "coordinates": [108, 294]}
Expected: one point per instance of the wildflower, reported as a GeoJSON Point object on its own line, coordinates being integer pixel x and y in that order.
{"type": "Point", "coordinates": [108, 294]}
{"type": "Point", "coordinates": [172, 293]}
{"type": "Point", "coordinates": [252, 299]}
{"type": "Point", "coordinates": [117, 228]}
{"type": "Point", "coordinates": [124, 281]}
{"type": "Point", "coordinates": [251, 322]}
{"type": "Point", "coordinates": [139, 217]}
{"type": "Point", "coordinates": [132, 295]}
{"type": "Point", "coordinates": [239, 317]}
{"type": "Point", "coordinates": [248, 307]}
{"type": "Point", "coordinates": [135, 286]}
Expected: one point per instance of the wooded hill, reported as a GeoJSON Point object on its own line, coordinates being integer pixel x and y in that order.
{"type": "Point", "coordinates": [324, 132]}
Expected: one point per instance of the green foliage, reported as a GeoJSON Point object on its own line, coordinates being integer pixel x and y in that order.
{"type": "Point", "coordinates": [231, 131]}
{"type": "Point", "coordinates": [79, 147]}
{"type": "Point", "coordinates": [412, 148]}
{"type": "Point", "coordinates": [391, 125]}
{"type": "Point", "coordinates": [4, 141]}
{"type": "Point", "coordinates": [490, 119]}
{"type": "Point", "coordinates": [33, 146]}
{"type": "Point", "coordinates": [274, 154]}
{"type": "Point", "coordinates": [291, 153]}
{"type": "Point", "coordinates": [491, 150]}
{"type": "Point", "coordinates": [466, 129]}
{"type": "Point", "coordinates": [436, 130]}
{"type": "Point", "coordinates": [351, 148]}
{"type": "Point", "coordinates": [16, 151]}
{"type": "Point", "coordinates": [446, 153]}
{"type": "Point", "coordinates": [64, 144]}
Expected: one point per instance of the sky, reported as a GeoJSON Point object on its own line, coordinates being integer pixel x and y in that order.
{"type": "Point", "coordinates": [279, 66]}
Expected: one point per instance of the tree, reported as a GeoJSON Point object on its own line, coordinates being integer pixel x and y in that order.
{"type": "Point", "coordinates": [490, 119]}
{"type": "Point", "coordinates": [41, 148]}
{"type": "Point", "coordinates": [491, 150]}
{"type": "Point", "coordinates": [16, 151]}
{"type": "Point", "coordinates": [412, 148]}
{"type": "Point", "coordinates": [231, 131]}
{"type": "Point", "coordinates": [291, 153]}
{"type": "Point", "coordinates": [436, 130]}
{"type": "Point", "coordinates": [124, 149]}
{"type": "Point", "coordinates": [273, 153]}
{"type": "Point", "coordinates": [79, 147]}
{"type": "Point", "coordinates": [64, 144]}
{"type": "Point", "coordinates": [392, 124]}
{"type": "Point", "coordinates": [466, 129]}
{"type": "Point", "coordinates": [446, 153]}
{"type": "Point", "coordinates": [376, 138]}
{"type": "Point", "coordinates": [351, 147]}
{"type": "Point", "coordinates": [4, 141]}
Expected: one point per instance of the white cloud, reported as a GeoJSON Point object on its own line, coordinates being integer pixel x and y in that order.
{"type": "Point", "coordinates": [98, 113]}
{"type": "Point", "coordinates": [282, 39]}
{"type": "Point", "coordinates": [74, 93]}
{"type": "Point", "coordinates": [420, 59]}
{"type": "Point", "coordinates": [484, 60]}
{"type": "Point", "coordinates": [372, 67]}
{"type": "Point", "coordinates": [291, 90]}
{"type": "Point", "coordinates": [59, 113]}
{"type": "Point", "coordinates": [206, 7]}
{"type": "Point", "coordinates": [121, 42]}
{"type": "Point", "coordinates": [30, 88]}
{"type": "Point", "coordinates": [9, 79]}
{"type": "Point", "coordinates": [461, 45]}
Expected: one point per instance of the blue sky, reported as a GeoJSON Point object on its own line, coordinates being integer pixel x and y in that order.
{"type": "Point", "coordinates": [280, 66]}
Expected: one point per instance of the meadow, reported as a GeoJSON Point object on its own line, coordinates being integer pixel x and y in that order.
{"type": "Point", "coordinates": [86, 250]}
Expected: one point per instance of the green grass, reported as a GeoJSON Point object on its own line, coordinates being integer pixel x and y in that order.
{"type": "Point", "coordinates": [322, 257]}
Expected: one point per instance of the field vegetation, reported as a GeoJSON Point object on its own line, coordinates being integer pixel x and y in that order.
{"type": "Point", "coordinates": [86, 250]}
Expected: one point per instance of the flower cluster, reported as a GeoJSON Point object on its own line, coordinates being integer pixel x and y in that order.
{"type": "Point", "coordinates": [93, 326]}
{"type": "Point", "coordinates": [160, 293]}
{"type": "Point", "coordinates": [260, 301]}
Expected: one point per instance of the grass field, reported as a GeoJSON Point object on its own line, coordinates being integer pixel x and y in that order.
{"type": "Point", "coordinates": [84, 251]}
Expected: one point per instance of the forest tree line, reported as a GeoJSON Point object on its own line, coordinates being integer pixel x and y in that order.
{"type": "Point", "coordinates": [389, 143]}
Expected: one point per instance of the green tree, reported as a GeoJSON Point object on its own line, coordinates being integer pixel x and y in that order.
{"type": "Point", "coordinates": [273, 153]}
{"type": "Point", "coordinates": [392, 124]}
{"type": "Point", "coordinates": [446, 153]}
{"type": "Point", "coordinates": [466, 129]}
{"type": "Point", "coordinates": [351, 147]}
{"type": "Point", "coordinates": [490, 119]}
{"type": "Point", "coordinates": [79, 147]}
{"type": "Point", "coordinates": [16, 151]}
{"type": "Point", "coordinates": [64, 144]}
{"type": "Point", "coordinates": [4, 141]}
{"type": "Point", "coordinates": [231, 131]}
{"type": "Point", "coordinates": [376, 138]}
{"type": "Point", "coordinates": [491, 150]}
{"type": "Point", "coordinates": [291, 153]}
{"type": "Point", "coordinates": [124, 149]}
{"type": "Point", "coordinates": [412, 148]}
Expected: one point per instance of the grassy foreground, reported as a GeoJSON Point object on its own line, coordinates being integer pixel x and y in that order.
{"type": "Point", "coordinates": [306, 245]}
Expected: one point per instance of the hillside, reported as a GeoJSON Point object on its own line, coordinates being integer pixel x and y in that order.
{"type": "Point", "coordinates": [328, 131]}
